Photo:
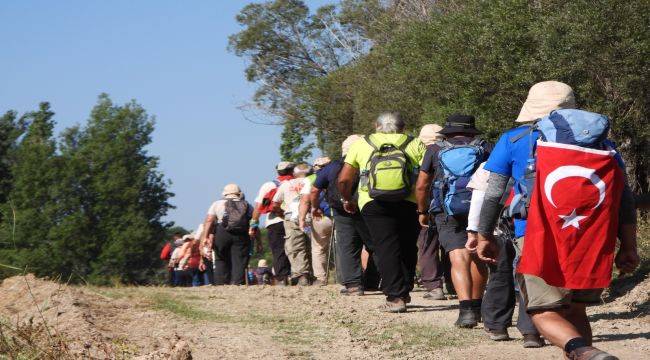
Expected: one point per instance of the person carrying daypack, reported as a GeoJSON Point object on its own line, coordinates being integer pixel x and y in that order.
{"type": "Point", "coordinates": [386, 163]}
{"type": "Point", "coordinates": [273, 223]}
{"type": "Point", "coordinates": [442, 193]}
{"type": "Point", "coordinates": [286, 201]}
{"type": "Point", "coordinates": [350, 230]}
{"type": "Point", "coordinates": [433, 269]}
{"type": "Point", "coordinates": [229, 220]}
{"type": "Point", "coordinates": [571, 203]}
{"type": "Point", "coordinates": [319, 228]}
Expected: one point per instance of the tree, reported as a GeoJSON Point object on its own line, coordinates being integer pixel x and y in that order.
{"type": "Point", "coordinates": [28, 216]}
{"type": "Point", "coordinates": [125, 196]}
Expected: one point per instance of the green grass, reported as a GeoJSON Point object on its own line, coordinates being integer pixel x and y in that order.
{"type": "Point", "coordinates": [165, 302]}
{"type": "Point", "coordinates": [425, 337]}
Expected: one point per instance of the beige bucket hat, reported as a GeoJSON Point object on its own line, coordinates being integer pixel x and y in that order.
{"type": "Point", "coordinates": [430, 133]}
{"type": "Point", "coordinates": [262, 263]}
{"type": "Point", "coordinates": [231, 190]}
{"type": "Point", "coordinates": [322, 161]}
{"type": "Point", "coordinates": [545, 97]}
{"type": "Point", "coordinates": [348, 142]}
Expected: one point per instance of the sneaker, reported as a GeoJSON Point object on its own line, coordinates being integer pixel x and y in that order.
{"type": "Point", "coordinates": [466, 319]}
{"type": "Point", "coordinates": [498, 334]}
{"type": "Point", "coordinates": [435, 294]}
{"type": "Point", "coordinates": [353, 291]}
{"type": "Point", "coordinates": [303, 280]}
{"type": "Point", "coordinates": [406, 299]}
{"type": "Point", "coordinates": [533, 341]}
{"type": "Point", "coordinates": [589, 353]}
{"type": "Point", "coordinates": [394, 306]}
{"type": "Point", "coordinates": [318, 283]}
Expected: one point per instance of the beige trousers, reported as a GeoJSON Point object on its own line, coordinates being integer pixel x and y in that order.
{"type": "Point", "coordinates": [321, 231]}
{"type": "Point", "coordinates": [296, 248]}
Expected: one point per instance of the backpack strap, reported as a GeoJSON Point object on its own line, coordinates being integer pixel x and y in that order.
{"type": "Point", "coordinates": [372, 144]}
{"type": "Point", "coordinates": [406, 142]}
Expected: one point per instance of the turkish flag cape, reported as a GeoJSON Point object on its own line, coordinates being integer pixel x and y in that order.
{"type": "Point", "coordinates": [573, 217]}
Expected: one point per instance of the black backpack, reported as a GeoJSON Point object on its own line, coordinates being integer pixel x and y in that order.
{"type": "Point", "coordinates": [235, 218]}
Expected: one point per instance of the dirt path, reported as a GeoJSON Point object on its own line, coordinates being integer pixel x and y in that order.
{"type": "Point", "coordinates": [283, 323]}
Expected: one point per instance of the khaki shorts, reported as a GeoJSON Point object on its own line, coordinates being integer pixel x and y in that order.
{"type": "Point", "coordinates": [538, 295]}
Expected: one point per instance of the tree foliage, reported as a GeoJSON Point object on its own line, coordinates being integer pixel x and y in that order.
{"type": "Point", "coordinates": [428, 59]}
{"type": "Point", "coordinates": [90, 205]}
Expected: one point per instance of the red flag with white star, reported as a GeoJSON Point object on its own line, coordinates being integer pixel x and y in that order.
{"type": "Point", "coordinates": [573, 217]}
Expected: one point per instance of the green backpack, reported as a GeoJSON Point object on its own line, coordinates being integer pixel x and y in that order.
{"type": "Point", "coordinates": [389, 171]}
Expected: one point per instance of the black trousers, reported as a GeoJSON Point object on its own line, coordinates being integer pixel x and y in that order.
{"type": "Point", "coordinates": [281, 265]}
{"type": "Point", "coordinates": [499, 299]}
{"type": "Point", "coordinates": [232, 252]}
{"type": "Point", "coordinates": [394, 229]}
{"type": "Point", "coordinates": [351, 235]}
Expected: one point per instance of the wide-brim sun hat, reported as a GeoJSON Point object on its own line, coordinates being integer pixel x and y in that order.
{"type": "Point", "coordinates": [545, 97]}
{"type": "Point", "coordinates": [322, 161]}
{"type": "Point", "coordinates": [231, 190]}
{"type": "Point", "coordinates": [187, 237]}
{"type": "Point", "coordinates": [430, 133]}
{"type": "Point", "coordinates": [348, 142]}
{"type": "Point", "coordinates": [284, 165]}
{"type": "Point", "coordinates": [262, 263]}
{"type": "Point", "coordinates": [459, 123]}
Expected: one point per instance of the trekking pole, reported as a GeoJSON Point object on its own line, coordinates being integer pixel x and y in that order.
{"type": "Point", "coordinates": [329, 253]}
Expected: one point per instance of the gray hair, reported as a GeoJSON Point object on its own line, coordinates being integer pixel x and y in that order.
{"type": "Point", "coordinates": [389, 123]}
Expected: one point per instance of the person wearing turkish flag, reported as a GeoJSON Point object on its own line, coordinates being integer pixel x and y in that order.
{"type": "Point", "coordinates": [571, 202]}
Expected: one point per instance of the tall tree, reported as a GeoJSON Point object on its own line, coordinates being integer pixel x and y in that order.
{"type": "Point", "coordinates": [126, 196]}
{"type": "Point", "coordinates": [28, 216]}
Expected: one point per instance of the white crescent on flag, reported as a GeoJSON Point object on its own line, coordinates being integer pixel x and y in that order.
{"type": "Point", "coordinates": [564, 172]}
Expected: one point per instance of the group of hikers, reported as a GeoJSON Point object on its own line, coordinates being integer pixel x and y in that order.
{"type": "Point", "coordinates": [453, 205]}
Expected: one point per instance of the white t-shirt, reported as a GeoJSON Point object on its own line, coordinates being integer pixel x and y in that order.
{"type": "Point", "coordinates": [218, 209]}
{"type": "Point", "coordinates": [306, 187]}
{"type": "Point", "coordinates": [271, 218]}
{"type": "Point", "coordinates": [288, 195]}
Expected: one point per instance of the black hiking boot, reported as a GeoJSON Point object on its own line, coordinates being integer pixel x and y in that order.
{"type": "Point", "coordinates": [498, 334]}
{"type": "Point", "coordinates": [533, 341]}
{"type": "Point", "coordinates": [466, 319]}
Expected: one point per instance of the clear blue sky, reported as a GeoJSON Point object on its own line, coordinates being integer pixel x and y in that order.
{"type": "Point", "coordinates": [168, 55]}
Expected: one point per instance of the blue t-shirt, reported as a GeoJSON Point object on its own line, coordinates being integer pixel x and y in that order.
{"type": "Point", "coordinates": [509, 159]}
{"type": "Point", "coordinates": [329, 173]}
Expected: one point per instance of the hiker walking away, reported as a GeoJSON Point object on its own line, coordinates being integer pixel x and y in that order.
{"type": "Point", "coordinates": [190, 259]}
{"type": "Point", "coordinates": [429, 262]}
{"type": "Point", "coordinates": [206, 267]}
{"type": "Point", "coordinates": [273, 223]}
{"type": "Point", "coordinates": [387, 163]}
{"type": "Point", "coordinates": [166, 255]}
{"type": "Point", "coordinates": [286, 202]}
{"type": "Point", "coordinates": [174, 260]}
{"type": "Point", "coordinates": [230, 218]}
{"type": "Point", "coordinates": [566, 258]}
{"type": "Point", "coordinates": [351, 231]}
{"type": "Point", "coordinates": [442, 193]}
{"type": "Point", "coordinates": [263, 273]}
{"type": "Point", "coordinates": [318, 224]}
{"type": "Point", "coordinates": [500, 296]}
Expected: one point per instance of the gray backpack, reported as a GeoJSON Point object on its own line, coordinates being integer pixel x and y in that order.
{"type": "Point", "coordinates": [235, 219]}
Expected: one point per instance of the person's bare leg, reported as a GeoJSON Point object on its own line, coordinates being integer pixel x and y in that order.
{"type": "Point", "coordinates": [461, 274]}
{"type": "Point", "coordinates": [555, 327]}
{"type": "Point", "coordinates": [577, 315]}
{"type": "Point", "coordinates": [479, 275]}
{"type": "Point", "coordinates": [364, 258]}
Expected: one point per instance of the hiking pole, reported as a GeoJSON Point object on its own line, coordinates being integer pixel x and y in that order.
{"type": "Point", "coordinates": [329, 253]}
